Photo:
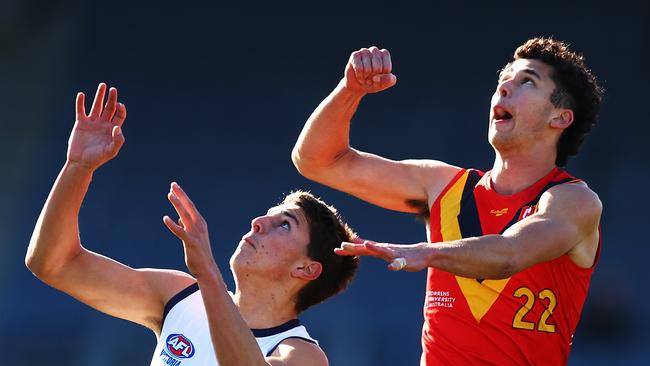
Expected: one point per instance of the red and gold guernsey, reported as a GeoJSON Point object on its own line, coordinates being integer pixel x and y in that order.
{"type": "Point", "coordinates": [527, 319]}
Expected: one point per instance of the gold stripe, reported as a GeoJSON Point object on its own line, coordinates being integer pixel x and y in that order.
{"type": "Point", "coordinates": [479, 296]}
{"type": "Point", "coordinates": [450, 209]}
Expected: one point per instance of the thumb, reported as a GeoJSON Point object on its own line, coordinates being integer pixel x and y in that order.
{"type": "Point", "coordinates": [385, 81]}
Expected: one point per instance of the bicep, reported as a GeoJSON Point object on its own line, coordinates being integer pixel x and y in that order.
{"type": "Point", "coordinates": [137, 295]}
{"type": "Point", "coordinates": [567, 217]}
{"type": "Point", "coordinates": [388, 183]}
{"type": "Point", "coordinates": [294, 352]}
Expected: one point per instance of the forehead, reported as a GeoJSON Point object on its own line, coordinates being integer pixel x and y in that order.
{"type": "Point", "coordinates": [292, 210]}
{"type": "Point", "coordinates": [527, 65]}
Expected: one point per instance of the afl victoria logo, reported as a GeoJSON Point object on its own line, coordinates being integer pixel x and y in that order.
{"type": "Point", "coordinates": [179, 346]}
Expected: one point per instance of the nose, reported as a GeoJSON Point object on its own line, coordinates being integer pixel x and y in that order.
{"type": "Point", "coordinates": [259, 224]}
{"type": "Point", "coordinates": [503, 89]}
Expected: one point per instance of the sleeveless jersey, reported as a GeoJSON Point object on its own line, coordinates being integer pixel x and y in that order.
{"type": "Point", "coordinates": [185, 336]}
{"type": "Point", "coordinates": [527, 319]}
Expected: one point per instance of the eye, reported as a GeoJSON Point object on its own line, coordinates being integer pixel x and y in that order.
{"type": "Point", "coordinates": [527, 79]}
{"type": "Point", "coordinates": [286, 225]}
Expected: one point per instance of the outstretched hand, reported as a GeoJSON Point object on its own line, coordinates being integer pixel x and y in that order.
{"type": "Point", "coordinates": [97, 137]}
{"type": "Point", "coordinates": [192, 229]}
{"type": "Point", "coordinates": [411, 258]}
{"type": "Point", "coordinates": [369, 70]}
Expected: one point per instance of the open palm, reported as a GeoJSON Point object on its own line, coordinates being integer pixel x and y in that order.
{"type": "Point", "coordinates": [97, 137]}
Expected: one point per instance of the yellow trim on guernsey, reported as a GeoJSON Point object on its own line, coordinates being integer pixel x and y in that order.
{"type": "Point", "coordinates": [479, 296]}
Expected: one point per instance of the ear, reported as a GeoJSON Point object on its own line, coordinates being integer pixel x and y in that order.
{"type": "Point", "coordinates": [308, 272]}
{"type": "Point", "coordinates": [563, 119]}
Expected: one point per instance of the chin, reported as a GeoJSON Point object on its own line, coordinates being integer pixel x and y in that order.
{"type": "Point", "coordinates": [501, 141]}
{"type": "Point", "coordinates": [237, 259]}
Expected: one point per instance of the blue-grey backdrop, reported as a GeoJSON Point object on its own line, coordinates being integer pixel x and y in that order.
{"type": "Point", "coordinates": [216, 102]}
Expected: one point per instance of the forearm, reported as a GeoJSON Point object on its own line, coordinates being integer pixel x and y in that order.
{"type": "Point", "coordinates": [232, 339]}
{"type": "Point", "coordinates": [486, 257]}
{"type": "Point", "coordinates": [325, 136]}
{"type": "Point", "coordinates": [55, 239]}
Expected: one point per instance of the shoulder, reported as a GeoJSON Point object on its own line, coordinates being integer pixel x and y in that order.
{"type": "Point", "coordinates": [574, 206]}
{"type": "Point", "coordinates": [433, 175]}
{"type": "Point", "coordinates": [167, 284]}
{"type": "Point", "coordinates": [572, 197]}
{"type": "Point", "coordinates": [297, 351]}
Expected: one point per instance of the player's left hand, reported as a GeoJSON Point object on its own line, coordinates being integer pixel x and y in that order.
{"type": "Point", "coordinates": [192, 229]}
{"type": "Point", "coordinates": [411, 258]}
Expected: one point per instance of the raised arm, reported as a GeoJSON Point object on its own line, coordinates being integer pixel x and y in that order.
{"type": "Point", "coordinates": [55, 254]}
{"type": "Point", "coordinates": [232, 339]}
{"type": "Point", "coordinates": [566, 223]}
{"type": "Point", "coordinates": [323, 152]}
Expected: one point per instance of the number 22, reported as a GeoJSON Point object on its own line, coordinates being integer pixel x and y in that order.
{"type": "Point", "coordinates": [519, 322]}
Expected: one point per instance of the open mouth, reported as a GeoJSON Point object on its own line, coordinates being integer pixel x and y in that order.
{"type": "Point", "coordinates": [501, 114]}
{"type": "Point", "coordinates": [248, 241]}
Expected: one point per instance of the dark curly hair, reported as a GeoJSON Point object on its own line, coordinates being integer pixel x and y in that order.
{"type": "Point", "coordinates": [576, 88]}
{"type": "Point", "coordinates": [326, 231]}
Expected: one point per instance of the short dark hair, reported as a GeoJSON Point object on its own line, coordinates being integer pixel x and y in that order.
{"type": "Point", "coordinates": [326, 231]}
{"type": "Point", "coordinates": [576, 88]}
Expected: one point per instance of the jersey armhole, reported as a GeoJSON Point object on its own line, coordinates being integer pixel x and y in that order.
{"type": "Point", "coordinates": [181, 295]}
{"type": "Point", "coordinates": [268, 354]}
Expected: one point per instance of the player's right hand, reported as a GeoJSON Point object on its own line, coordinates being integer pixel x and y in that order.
{"type": "Point", "coordinates": [97, 137]}
{"type": "Point", "coordinates": [369, 70]}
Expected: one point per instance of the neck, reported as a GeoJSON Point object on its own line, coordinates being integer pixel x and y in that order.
{"type": "Point", "coordinates": [264, 306]}
{"type": "Point", "coordinates": [516, 172]}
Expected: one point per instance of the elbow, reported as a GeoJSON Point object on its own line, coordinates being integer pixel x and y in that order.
{"type": "Point", "coordinates": [308, 168]}
{"type": "Point", "coordinates": [297, 161]}
{"type": "Point", "coordinates": [38, 267]}
{"type": "Point", "coordinates": [44, 269]}
{"type": "Point", "coordinates": [320, 166]}
{"type": "Point", "coordinates": [510, 265]}
{"type": "Point", "coordinates": [506, 269]}
{"type": "Point", "coordinates": [35, 266]}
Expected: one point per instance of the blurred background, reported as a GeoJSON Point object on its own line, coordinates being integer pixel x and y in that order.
{"type": "Point", "coordinates": [216, 102]}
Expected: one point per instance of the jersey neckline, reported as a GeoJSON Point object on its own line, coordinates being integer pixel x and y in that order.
{"type": "Point", "coordinates": [262, 332]}
{"type": "Point", "coordinates": [267, 332]}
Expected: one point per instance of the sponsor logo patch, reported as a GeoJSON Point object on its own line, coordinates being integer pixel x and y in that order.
{"type": "Point", "coordinates": [177, 347]}
{"type": "Point", "coordinates": [527, 211]}
{"type": "Point", "coordinates": [500, 212]}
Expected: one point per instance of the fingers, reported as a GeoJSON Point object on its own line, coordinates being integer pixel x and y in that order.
{"type": "Point", "coordinates": [358, 240]}
{"type": "Point", "coordinates": [180, 209]}
{"type": "Point", "coordinates": [80, 108]}
{"type": "Point", "coordinates": [372, 68]}
{"type": "Point", "coordinates": [120, 115]}
{"type": "Point", "coordinates": [386, 61]}
{"type": "Point", "coordinates": [96, 109]}
{"type": "Point", "coordinates": [186, 201]}
{"type": "Point", "coordinates": [175, 228]}
{"type": "Point", "coordinates": [380, 251]}
{"type": "Point", "coordinates": [357, 66]}
{"type": "Point", "coordinates": [350, 249]}
{"type": "Point", "coordinates": [112, 111]}
{"type": "Point", "coordinates": [376, 60]}
{"type": "Point", "coordinates": [111, 104]}
{"type": "Point", "coordinates": [366, 61]}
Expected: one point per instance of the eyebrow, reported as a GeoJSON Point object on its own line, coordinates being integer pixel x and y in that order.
{"type": "Point", "coordinates": [284, 212]}
{"type": "Point", "coordinates": [528, 71]}
{"type": "Point", "coordinates": [532, 72]}
{"type": "Point", "coordinates": [292, 216]}
{"type": "Point", "coordinates": [504, 71]}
